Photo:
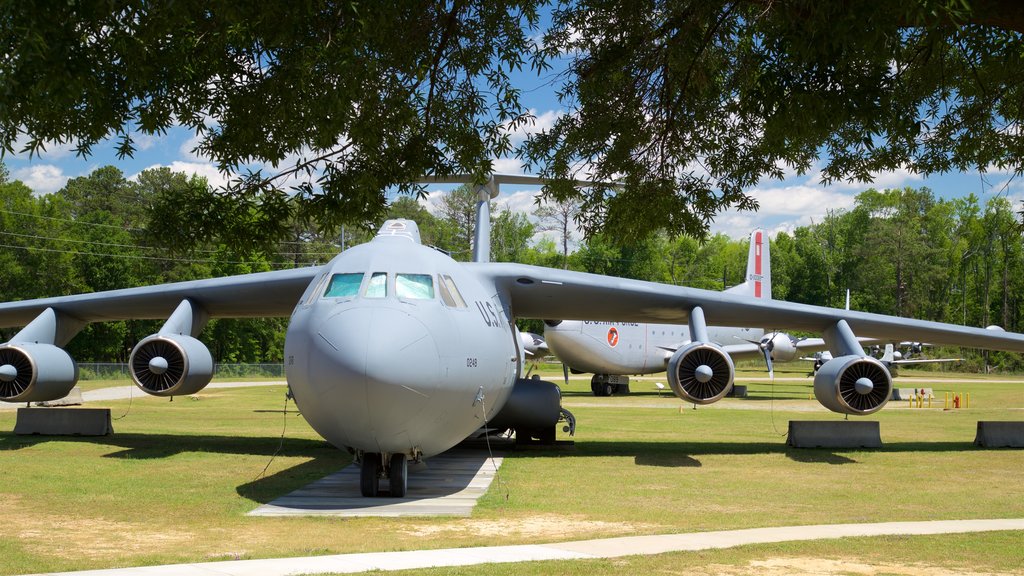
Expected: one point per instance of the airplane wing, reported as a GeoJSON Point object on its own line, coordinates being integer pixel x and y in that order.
{"type": "Point", "coordinates": [248, 295]}
{"type": "Point", "coordinates": [535, 292]}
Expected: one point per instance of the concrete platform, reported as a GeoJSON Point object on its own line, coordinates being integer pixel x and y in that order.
{"type": "Point", "coordinates": [446, 485]}
{"type": "Point", "coordinates": [1000, 435]}
{"type": "Point", "coordinates": [834, 434]}
{"type": "Point", "coordinates": [56, 421]}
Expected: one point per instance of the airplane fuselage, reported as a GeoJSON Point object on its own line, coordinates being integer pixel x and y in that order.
{"type": "Point", "coordinates": [628, 348]}
{"type": "Point", "coordinates": [382, 357]}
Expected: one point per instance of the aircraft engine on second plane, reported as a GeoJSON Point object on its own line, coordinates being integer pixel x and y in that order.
{"type": "Point", "coordinates": [700, 373]}
{"type": "Point", "coordinates": [171, 365]}
{"type": "Point", "coordinates": [857, 385]}
{"type": "Point", "coordinates": [31, 372]}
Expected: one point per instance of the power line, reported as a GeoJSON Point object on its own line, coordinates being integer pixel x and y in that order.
{"type": "Point", "coordinates": [70, 221]}
{"type": "Point", "coordinates": [157, 258]}
{"type": "Point", "coordinates": [139, 246]}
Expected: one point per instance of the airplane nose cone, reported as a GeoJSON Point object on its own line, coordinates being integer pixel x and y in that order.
{"type": "Point", "coordinates": [382, 367]}
{"type": "Point", "coordinates": [863, 385]}
{"type": "Point", "coordinates": [158, 365]}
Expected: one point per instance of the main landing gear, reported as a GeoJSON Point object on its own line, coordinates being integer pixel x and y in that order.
{"type": "Point", "coordinates": [608, 384]}
{"type": "Point", "coordinates": [372, 471]}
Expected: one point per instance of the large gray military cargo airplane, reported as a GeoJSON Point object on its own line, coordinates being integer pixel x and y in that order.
{"type": "Point", "coordinates": [397, 352]}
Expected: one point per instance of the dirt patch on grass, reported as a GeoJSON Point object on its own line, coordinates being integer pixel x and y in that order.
{"type": "Point", "coordinates": [828, 567]}
{"type": "Point", "coordinates": [545, 526]}
{"type": "Point", "coordinates": [93, 538]}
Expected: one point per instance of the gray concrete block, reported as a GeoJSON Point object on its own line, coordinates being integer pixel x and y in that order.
{"type": "Point", "coordinates": [834, 434]}
{"type": "Point", "coordinates": [64, 421]}
{"type": "Point", "coordinates": [1000, 435]}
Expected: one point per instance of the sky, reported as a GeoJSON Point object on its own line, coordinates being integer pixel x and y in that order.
{"type": "Point", "coordinates": [797, 200]}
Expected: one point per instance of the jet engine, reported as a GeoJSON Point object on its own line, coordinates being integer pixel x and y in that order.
{"type": "Point", "coordinates": [171, 365]}
{"type": "Point", "coordinates": [857, 385]}
{"type": "Point", "coordinates": [533, 404]}
{"type": "Point", "coordinates": [700, 373]}
{"type": "Point", "coordinates": [31, 372]}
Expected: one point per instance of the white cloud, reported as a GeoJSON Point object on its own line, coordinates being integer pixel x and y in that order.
{"type": "Point", "coordinates": [42, 178]}
{"type": "Point", "coordinates": [540, 122]}
{"type": "Point", "coordinates": [518, 201]}
{"type": "Point", "coordinates": [800, 199]}
{"type": "Point", "coordinates": [898, 178]}
{"type": "Point", "coordinates": [507, 166]}
{"type": "Point", "coordinates": [187, 149]}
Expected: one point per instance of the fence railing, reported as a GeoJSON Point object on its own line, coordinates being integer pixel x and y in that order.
{"type": "Point", "coordinates": [119, 371]}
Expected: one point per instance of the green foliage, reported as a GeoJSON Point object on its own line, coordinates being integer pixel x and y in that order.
{"type": "Point", "coordinates": [349, 97]}
{"type": "Point", "coordinates": [902, 252]}
{"type": "Point", "coordinates": [686, 103]}
{"type": "Point", "coordinates": [693, 102]}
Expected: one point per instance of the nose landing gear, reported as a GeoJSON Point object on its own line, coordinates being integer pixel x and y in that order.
{"type": "Point", "coordinates": [372, 471]}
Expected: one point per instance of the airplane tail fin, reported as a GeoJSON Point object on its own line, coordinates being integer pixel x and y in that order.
{"type": "Point", "coordinates": [758, 280]}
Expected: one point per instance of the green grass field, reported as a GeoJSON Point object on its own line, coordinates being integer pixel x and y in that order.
{"type": "Point", "coordinates": [175, 481]}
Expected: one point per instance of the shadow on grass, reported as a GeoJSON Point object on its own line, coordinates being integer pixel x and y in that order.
{"type": "Point", "coordinates": [324, 458]}
{"type": "Point", "coordinates": [687, 454]}
{"type": "Point", "coordinates": [145, 446]}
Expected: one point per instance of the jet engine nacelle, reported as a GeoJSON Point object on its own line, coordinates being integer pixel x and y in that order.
{"type": "Point", "coordinates": [532, 405]}
{"type": "Point", "coordinates": [171, 365]}
{"type": "Point", "coordinates": [701, 373]}
{"type": "Point", "coordinates": [31, 372]}
{"type": "Point", "coordinates": [858, 385]}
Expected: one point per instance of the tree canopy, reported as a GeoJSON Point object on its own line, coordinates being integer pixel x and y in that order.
{"type": "Point", "coordinates": [687, 103]}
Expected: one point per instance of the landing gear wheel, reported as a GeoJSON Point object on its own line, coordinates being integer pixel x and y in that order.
{"type": "Point", "coordinates": [608, 390]}
{"type": "Point", "coordinates": [595, 386]}
{"type": "Point", "coordinates": [369, 474]}
{"type": "Point", "coordinates": [398, 475]}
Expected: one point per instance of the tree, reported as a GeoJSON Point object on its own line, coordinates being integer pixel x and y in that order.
{"type": "Point", "coordinates": [560, 217]}
{"type": "Point", "coordinates": [349, 97]}
{"type": "Point", "coordinates": [686, 102]}
{"type": "Point", "coordinates": [510, 236]}
{"type": "Point", "coordinates": [692, 102]}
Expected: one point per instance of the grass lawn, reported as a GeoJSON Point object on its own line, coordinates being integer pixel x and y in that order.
{"type": "Point", "coordinates": [175, 481]}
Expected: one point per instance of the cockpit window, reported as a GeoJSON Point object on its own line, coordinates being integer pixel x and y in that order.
{"type": "Point", "coordinates": [415, 286]}
{"type": "Point", "coordinates": [343, 285]}
{"type": "Point", "coordinates": [377, 287]}
{"type": "Point", "coordinates": [450, 293]}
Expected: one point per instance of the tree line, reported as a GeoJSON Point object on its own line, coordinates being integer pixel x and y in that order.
{"type": "Point", "coordinates": [902, 252]}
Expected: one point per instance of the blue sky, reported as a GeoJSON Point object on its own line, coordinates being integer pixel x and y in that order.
{"type": "Point", "coordinates": [795, 201]}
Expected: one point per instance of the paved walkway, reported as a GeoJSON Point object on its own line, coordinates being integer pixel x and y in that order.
{"type": "Point", "coordinates": [579, 550]}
